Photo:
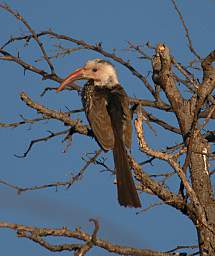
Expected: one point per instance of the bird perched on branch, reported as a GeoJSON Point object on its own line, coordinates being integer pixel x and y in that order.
{"type": "Point", "coordinates": [106, 105]}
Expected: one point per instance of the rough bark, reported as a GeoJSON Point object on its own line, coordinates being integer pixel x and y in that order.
{"type": "Point", "coordinates": [198, 148]}
{"type": "Point", "coordinates": [202, 186]}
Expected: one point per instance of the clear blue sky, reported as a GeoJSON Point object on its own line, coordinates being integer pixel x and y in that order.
{"type": "Point", "coordinates": [113, 23]}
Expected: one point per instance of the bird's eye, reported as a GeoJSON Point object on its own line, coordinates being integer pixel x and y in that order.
{"type": "Point", "coordinates": [94, 69]}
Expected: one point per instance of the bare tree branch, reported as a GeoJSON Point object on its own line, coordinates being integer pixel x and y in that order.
{"type": "Point", "coordinates": [89, 244]}
{"type": "Point", "coordinates": [46, 138]}
{"type": "Point", "coordinates": [9, 57]}
{"type": "Point", "coordinates": [159, 190]}
{"type": "Point", "coordinates": [88, 46]}
{"type": "Point", "coordinates": [37, 234]}
{"type": "Point", "coordinates": [151, 206]}
{"type": "Point", "coordinates": [25, 121]}
{"type": "Point", "coordinates": [186, 31]}
{"type": "Point", "coordinates": [72, 86]}
{"type": "Point", "coordinates": [170, 159]}
{"type": "Point", "coordinates": [61, 116]}
{"type": "Point", "coordinates": [34, 35]}
{"type": "Point", "coordinates": [180, 247]}
{"type": "Point", "coordinates": [68, 183]}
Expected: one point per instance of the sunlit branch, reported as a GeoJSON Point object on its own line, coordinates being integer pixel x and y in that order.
{"type": "Point", "coordinates": [38, 235]}
{"type": "Point", "coordinates": [61, 116]}
{"type": "Point", "coordinates": [173, 163]}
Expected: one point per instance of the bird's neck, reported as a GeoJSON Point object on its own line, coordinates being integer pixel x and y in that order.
{"type": "Point", "coordinates": [109, 82]}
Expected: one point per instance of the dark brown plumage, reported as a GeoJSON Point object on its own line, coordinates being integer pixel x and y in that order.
{"type": "Point", "coordinates": [106, 105]}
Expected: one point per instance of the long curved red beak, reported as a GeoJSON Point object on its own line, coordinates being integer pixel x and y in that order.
{"type": "Point", "coordinates": [77, 74]}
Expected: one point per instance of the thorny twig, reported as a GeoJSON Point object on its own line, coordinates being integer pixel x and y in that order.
{"type": "Point", "coordinates": [34, 35]}
{"type": "Point", "coordinates": [97, 48]}
{"type": "Point", "coordinates": [71, 87]}
{"type": "Point", "coordinates": [46, 138]}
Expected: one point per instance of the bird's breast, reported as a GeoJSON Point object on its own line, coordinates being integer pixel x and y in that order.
{"type": "Point", "coordinates": [87, 97]}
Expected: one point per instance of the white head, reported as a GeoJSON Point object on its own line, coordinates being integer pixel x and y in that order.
{"type": "Point", "coordinates": [102, 72]}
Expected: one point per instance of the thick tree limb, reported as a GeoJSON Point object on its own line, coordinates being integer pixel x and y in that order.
{"type": "Point", "coordinates": [204, 90]}
{"type": "Point", "coordinates": [61, 116]}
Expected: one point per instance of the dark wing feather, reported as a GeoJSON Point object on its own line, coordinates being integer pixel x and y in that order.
{"type": "Point", "coordinates": [107, 110]}
{"type": "Point", "coordinates": [118, 109]}
{"type": "Point", "coordinates": [119, 102]}
{"type": "Point", "coordinates": [95, 105]}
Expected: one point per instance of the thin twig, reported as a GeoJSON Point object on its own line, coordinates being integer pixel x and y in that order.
{"type": "Point", "coordinates": [71, 87]}
{"type": "Point", "coordinates": [46, 138]}
{"type": "Point", "coordinates": [68, 183]}
{"type": "Point", "coordinates": [150, 207]}
{"type": "Point", "coordinates": [186, 31]}
{"type": "Point", "coordinates": [139, 50]}
{"type": "Point", "coordinates": [62, 52]}
{"type": "Point", "coordinates": [25, 121]}
{"type": "Point", "coordinates": [34, 35]}
{"type": "Point", "coordinates": [180, 247]}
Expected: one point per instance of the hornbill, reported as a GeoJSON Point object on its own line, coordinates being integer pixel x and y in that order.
{"type": "Point", "coordinates": [106, 105]}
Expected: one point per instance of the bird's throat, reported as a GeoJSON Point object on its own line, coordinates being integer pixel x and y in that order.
{"type": "Point", "coordinates": [109, 82]}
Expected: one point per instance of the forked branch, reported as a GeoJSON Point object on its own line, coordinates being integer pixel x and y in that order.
{"type": "Point", "coordinates": [38, 235]}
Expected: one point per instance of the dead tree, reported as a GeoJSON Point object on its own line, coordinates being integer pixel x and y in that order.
{"type": "Point", "coordinates": [189, 159]}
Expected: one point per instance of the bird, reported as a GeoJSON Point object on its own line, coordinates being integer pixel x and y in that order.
{"type": "Point", "coordinates": [106, 106]}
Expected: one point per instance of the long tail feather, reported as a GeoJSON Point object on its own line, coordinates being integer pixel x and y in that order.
{"type": "Point", "coordinates": [127, 193]}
